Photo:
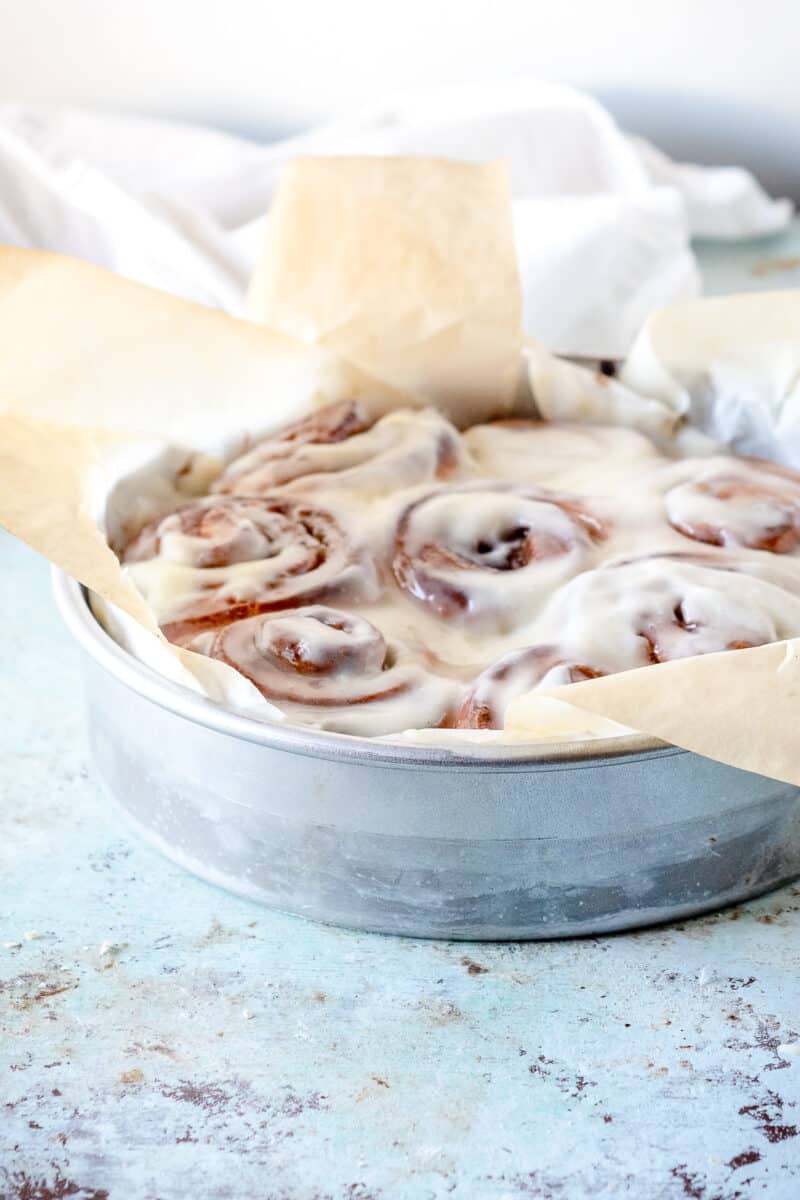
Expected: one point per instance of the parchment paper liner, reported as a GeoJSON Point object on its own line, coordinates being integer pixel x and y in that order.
{"type": "Point", "coordinates": [405, 267]}
{"type": "Point", "coordinates": [115, 361]}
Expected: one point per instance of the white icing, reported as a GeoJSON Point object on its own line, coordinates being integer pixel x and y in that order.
{"type": "Point", "coordinates": [611, 584]}
{"type": "Point", "coordinates": [404, 443]}
{"type": "Point", "coordinates": [478, 525]}
{"type": "Point", "coordinates": [350, 679]}
{"type": "Point", "coordinates": [735, 503]}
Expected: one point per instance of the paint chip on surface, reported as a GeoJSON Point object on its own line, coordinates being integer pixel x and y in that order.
{"type": "Point", "coordinates": [110, 949]}
{"type": "Point", "coordinates": [133, 1076]}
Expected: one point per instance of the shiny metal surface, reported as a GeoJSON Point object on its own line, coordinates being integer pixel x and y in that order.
{"type": "Point", "coordinates": [512, 843]}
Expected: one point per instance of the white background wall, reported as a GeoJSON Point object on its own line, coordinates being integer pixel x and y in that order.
{"type": "Point", "coordinates": [713, 80]}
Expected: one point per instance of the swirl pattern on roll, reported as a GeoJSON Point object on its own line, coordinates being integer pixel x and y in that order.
{"type": "Point", "coordinates": [487, 551]}
{"type": "Point", "coordinates": [738, 502]}
{"type": "Point", "coordinates": [234, 557]}
{"type": "Point", "coordinates": [661, 608]}
{"type": "Point", "coordinates": [323, 658]}
{"type": "Point", "coordinates": [287, 454]}
{"type": "Point", "coordinates": [342, 447]}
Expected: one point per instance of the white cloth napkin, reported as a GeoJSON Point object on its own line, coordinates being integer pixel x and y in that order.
{"type": "Point", "coordinates": [602, 220]}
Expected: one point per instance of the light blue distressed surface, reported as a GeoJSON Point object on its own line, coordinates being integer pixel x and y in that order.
{"type": "Point", "coordinates": [658, 1065]}
{"type": "Point", "coordinates": [770, 264]}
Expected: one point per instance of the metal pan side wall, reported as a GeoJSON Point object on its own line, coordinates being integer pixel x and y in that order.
{"type": "Point", "coordinates": [484, 850]}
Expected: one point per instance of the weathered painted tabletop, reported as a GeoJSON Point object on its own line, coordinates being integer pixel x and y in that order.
{"type": "Point", "coordinates": [161, 1039]}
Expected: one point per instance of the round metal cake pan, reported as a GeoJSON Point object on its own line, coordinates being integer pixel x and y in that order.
{"type": "Point", "coordinates": [509, 843]}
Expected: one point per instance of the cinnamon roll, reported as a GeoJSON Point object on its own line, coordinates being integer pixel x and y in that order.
{"type": "Point", "coordinates": [327, 668]}
{"type": "Point", "coordinates": [738, 502]}
{"type": "Point", "coordinates": [521, 671]}
{"type": "Point", "coordinates": [662, 608]}
{"type": "Point", "coordinates": [221, 559]}
{"type": "Point", "coordinates": [491, 552]}
{"type": "Point", "coordinates": [286, 455]}
{"type": "Point", "coordinates": [621, 616]}
{"type": "Point", "coordinates": [341, 446]}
